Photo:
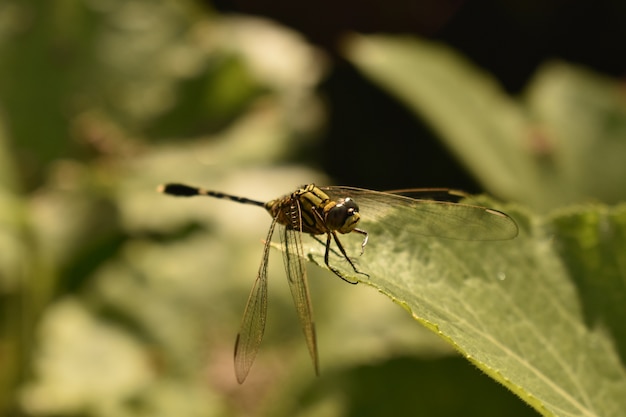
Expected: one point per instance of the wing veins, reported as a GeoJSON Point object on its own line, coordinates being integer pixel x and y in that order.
{"type": "Point", "coordinates": [293, 257]}
{"type": "Point", "coordinates": [426, 217]}
{"type": "Point", "coordinates": [254, 317]}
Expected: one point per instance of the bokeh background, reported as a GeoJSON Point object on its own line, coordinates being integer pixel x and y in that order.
{"type": "Point", "coordinates": [118, 301]}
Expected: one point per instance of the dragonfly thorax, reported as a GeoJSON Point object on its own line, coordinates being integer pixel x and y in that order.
{"type": "Point", "coordinates": [311, 210]}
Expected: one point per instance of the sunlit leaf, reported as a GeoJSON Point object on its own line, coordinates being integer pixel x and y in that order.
{"type": "Point", "coordinates": [514, 308]}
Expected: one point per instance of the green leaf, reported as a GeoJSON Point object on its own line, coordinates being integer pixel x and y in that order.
{"type": "Point", "coordinates": [517, 309]}
{"type": "Point", "coordinates": [559, 144]}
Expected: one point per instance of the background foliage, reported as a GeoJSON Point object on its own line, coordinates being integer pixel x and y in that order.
{"type": "Point", "coordinates": [116, 300]}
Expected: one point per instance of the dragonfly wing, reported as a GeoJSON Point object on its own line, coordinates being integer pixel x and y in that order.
{"type": "Point", "coordinates": [293, 257]}
{"type": "Point", "coordinates": [437, 194]}
{"type": "Point", "coordinates": [400, 210]}
{"type": "Point", "coordinates": [254, 317]}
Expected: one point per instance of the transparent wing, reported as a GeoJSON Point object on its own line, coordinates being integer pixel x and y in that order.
{"type": "Point", "coordinates": [254, 317]}
{"type": "Point", "coordinates": [408, 210]}
{"type": "Point", "coordinates": [293, 257]}
{"type": "Point", "coordinates": [439, 194]}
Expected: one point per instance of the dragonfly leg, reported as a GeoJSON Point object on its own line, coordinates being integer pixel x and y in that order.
{"type": "Point", "coordinates": [335, 271]}
{"type": "Point", "coordinates": [365, 238]}
{"type": "Point", "coordinates": [321, 242]}
{"type": "Point", "coordinates": [343, 252]}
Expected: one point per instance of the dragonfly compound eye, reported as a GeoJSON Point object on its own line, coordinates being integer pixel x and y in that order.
{"type": "Point", "coordinates": [342, 216]}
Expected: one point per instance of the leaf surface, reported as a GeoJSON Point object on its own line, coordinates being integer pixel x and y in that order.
{"type": "Point", "coordinates": [514, 308]}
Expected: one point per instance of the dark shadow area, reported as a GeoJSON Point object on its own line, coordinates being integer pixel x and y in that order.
{"type": "Point", "coordinates": [443, 387]}
{"type": "Point", "coordinates": [372, 140]}
{"type": "Point", "coordinates": [598, 271]}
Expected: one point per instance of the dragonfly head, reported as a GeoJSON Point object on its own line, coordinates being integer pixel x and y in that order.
{"type": "Point", "coordinates": [342, 215]}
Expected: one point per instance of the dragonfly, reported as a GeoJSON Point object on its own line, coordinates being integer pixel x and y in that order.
{"type": "Point", "coordinates": [332, 211]}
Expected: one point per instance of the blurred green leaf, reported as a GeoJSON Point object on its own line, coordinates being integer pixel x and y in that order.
{"type": "Point", "coordinates": [517, 308]}
{"type": "Point", "coordinates": [580, 126]}
{"type": "Point", "coordinates": [591, 243]}
{"type": "Point", "coordinates": [561, 144]}
{"type": "Point", "coordinates": [107, 77]}
{"type": "Point", "coordinates": [410, 387]}
{"type": "Point", "coordinates": [80, 349]}
{"type": "Point", "coordinates": [89, 268]}
{"type": "Point", "coordinates": [15, 266]}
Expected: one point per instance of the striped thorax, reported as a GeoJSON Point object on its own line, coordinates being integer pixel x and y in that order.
{"type": "Point", "coordinates": [310, 210]}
